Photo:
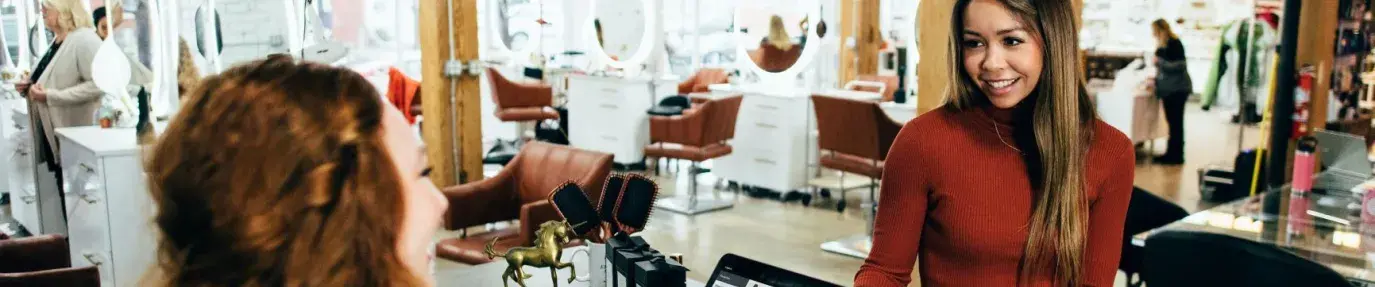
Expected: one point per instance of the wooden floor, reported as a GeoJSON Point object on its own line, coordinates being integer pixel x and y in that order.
{"type": "Point", "coordinates": [789, 235]}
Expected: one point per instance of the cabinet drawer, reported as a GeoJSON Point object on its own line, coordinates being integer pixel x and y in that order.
{"type": "Point", "coordinates": [102, 260]}
{"type": "Point", "coordinates": [81, 170]}
{"type": "Point", "coordinates": [88, 232]}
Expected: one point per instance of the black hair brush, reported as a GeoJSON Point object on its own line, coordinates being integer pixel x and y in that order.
{"type": "Point", "coordinates": [611, 195]}
{"type": "Point", "coordinates": [571, 203]}
{"type": "Point", "coordinates": [636, 204]}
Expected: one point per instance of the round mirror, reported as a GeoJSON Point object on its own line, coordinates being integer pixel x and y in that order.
{"type": "Point", "coordinates": [207, 31]}
{"type": "Point", "coordinates": [512, 22]}
{"type": "Point", "coordinates": [773, 35]}
{"type": "Point", "coordinates": [623, 30]}
{"type": "Point", "coordinates": [260, 28]}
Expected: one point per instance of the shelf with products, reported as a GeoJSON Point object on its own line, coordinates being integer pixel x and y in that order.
{"type": "Point", "coordinates": [1350, 61]}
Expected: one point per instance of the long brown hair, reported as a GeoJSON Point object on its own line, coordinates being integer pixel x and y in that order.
{"type": "Point", "coordinates": [1062, 118]}
{"type": "Point", "coordinates": [1159, 28]}
{"type": "Point", "coordinates": [276, 174]}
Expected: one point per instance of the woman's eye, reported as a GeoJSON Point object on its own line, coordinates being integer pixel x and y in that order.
{"type": "Point", "coordinates": [972, 44]}
{"type": "Point", "coordinates": [426, 172]}
{"type": "Point", "coordinates": [1012, 41]}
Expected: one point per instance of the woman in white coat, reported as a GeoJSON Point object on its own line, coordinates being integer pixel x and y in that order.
{"type": "Point", "coordinates": [60, 90]}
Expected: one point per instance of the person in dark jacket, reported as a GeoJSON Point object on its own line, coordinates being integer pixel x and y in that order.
{"type": "Point", "coordinates": [1173, 86]}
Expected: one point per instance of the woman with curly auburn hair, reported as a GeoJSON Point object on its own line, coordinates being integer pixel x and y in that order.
{"type": "Point", "coordinates": [276, 173]}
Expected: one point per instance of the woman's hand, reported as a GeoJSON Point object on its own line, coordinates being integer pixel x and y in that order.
{"type": "Point", "coordinates": [23, 85]}
{"type": "Point", "coordinates": [38, 93]}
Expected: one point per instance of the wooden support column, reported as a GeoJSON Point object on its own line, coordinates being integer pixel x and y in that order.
{"type": "Point", "coordinates": [847, 30]}
{"type": "Point", "coordinates": [454, 148]}
{"type": "Point", "coordinates": [869, 38]}
{"type": "Point", "coordinates": [1316, 47]}
{"type": "Point", "coordinates": [933, 73]}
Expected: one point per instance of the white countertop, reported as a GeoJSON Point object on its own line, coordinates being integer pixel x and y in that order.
{"type": "Point", "coordinates": [853, 95]}
{"type": "Point", "coordinates": [106, 142]}
{"type": "Point", "coordinates": [640, 78]}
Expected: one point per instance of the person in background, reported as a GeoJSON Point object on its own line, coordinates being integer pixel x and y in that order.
{"type": "Point", "coordinates": [60, 91]}
{"type": "Point", "coordinates": [1173, 86]}
{"type": "Point", "coordinates": [278, 173]}
{"type": "Point", "coordinates": [1014, 181]}
{"type": "Point", "coordinates": [102, 23]}
{"type": "Point", "coordinates": [778, 34]}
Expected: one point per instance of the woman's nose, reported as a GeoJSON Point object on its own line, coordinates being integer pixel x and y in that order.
{"type": "Point", "coordinates": [994, 60]}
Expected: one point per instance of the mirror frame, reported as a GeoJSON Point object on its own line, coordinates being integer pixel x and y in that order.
{"type": "Point", "coordinates": [647, 40]}
{"type": "Point", "coordinates": [809, 51]}
{"type": "Point", "coordinates": [495, 18]}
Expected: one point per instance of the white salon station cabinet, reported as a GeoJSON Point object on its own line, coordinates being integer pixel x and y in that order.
{"type": "Point", "coordinates": [610, 114]}
{"type": "Point", "coordinates": [109, 209]}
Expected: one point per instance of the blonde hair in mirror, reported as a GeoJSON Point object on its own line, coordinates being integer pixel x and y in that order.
{"type": "Point", "coordinates": [778, 34]}
{"type": "Point", "coordinates": [1062, 122]}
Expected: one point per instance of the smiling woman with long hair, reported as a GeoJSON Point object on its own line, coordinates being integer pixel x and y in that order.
{"type": "Point", "coordinates": [283, 174]}
{"type": "Point", "coordinates": [1014, 181]}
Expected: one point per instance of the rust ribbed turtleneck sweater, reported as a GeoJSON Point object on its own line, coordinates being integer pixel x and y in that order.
{"type": "Point", "coordinates": [956, 195]}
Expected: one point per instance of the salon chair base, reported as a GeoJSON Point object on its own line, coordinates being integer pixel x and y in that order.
{"type": "Point", "coordinates": [693, 205]}
{"type": "Point", "coordinates": [857, 246]}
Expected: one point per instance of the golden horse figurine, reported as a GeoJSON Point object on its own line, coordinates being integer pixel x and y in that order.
{"type": "Point", "coordinates": [547, 252]}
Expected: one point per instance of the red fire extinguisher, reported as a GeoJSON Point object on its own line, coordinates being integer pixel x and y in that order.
{"type": "Point", "coordinates": [1302, 95]}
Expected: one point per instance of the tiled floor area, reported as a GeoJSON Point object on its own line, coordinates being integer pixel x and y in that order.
{"type": "Point", "coordinates": [789, 235]}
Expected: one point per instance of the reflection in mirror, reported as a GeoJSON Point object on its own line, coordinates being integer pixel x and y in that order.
{"type": "Point", "coordinates": [9, 32]}
{"type": "Point", "coordinates": [202, 39]}
{"type": "Point", "coordinates": [244, 29]}
{"type": "Point", "coordinates": [620, 27]}
{"type": "Point", "coordinates": [781, 35]}
{"type": "Point", "coordinates": [513, 21]}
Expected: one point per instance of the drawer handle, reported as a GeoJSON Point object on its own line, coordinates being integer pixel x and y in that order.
{"type": "Point", "coordinates": [89, 198]}
{"type": "Point", "coordinates": [610, 90]}
{"type": "Point", "coordinates": [610, 106]}
{"type": "Point", "coordinates": [767, 126]}
{"type": "Point", "coordinates": [92, 258]}
{"type": "Point", "coordinates": [764, 160]}
{"type": "Point", "coordinates": [768, 107]}
{"type": "Point", "coordinates": [610, 138]}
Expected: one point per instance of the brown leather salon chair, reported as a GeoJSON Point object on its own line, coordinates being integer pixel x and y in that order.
{"type": "Point", "coordinates": [701, 81]}
{"type": "Point", "coordinates": [890, 84]}
{"type": "Point", "coordinates": [521, 102]}
{"type": "Point", "coordinates": [42, 260]}
{"type": "Point", "coordinates": [854, 137]}
{"type": "Point", "coordinates": [519, 192]}
{"type": "Point", "coordinates": [700, 134]}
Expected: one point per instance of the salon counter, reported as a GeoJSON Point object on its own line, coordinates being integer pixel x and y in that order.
{"type": "Point", "coordinates": [609, 114]}
{"type": "Point", "coordinates": [775, 144]}
{"type": "Point", "coordinates": [490, 274]}
{"type": "Point", "coordinates": [109, 210]}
